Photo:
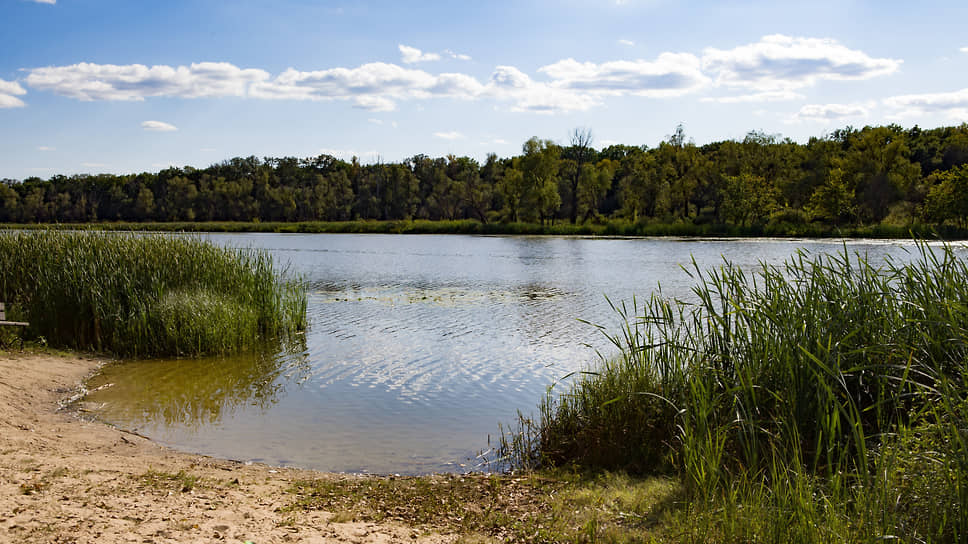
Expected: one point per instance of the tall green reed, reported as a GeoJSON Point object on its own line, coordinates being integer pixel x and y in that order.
{"type": "Point", "coordinates": [145, 295]}
{"type": "Point", "coordinates": [792, 395]}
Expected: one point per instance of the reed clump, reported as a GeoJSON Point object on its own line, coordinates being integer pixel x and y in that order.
{"type": "Point", "coordinates": [823, 399]}
{"type": "Point", "coordinates": [145, 295]}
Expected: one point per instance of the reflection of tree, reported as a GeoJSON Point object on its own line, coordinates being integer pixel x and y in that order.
{"type": "Point", "coordinates": [196, 392]}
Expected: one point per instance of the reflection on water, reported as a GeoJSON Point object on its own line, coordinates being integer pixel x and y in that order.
{"type": "Point", "coordinates": [418, 345]}
{"type": "Point", "coordinates": [194, 394]}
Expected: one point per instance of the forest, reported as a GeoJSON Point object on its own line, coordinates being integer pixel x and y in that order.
{"type": "Point", "coordinates": [870, 176]}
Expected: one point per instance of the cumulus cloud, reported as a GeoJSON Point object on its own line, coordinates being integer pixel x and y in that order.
{"type": "Point", "coordinates": [953, 105]}
{"type": "Point", "coordinates": [88, 81]}
{"type": "Point", "coordinates": [158, 126]}
{"type": "Point", "coordinates": [772, 69]}
{"type": "Point", "coordinates": [410, 55]}
{"type": "Point", "coordinates": [509, 83]}
{"type": "Point", "coordinates": [781, 62]}
{"type": "Point", "coordinates": [9, 91]}
{"type": "Point", "coordinates": [374, 86]}
{"type": "Point", "coordinates": [964, 50]}
{"type": "Point", "coordinates": [452, 135]}
{"type": "Point", "coordinates": [671, 74]}
{"type": "Point", "coordinates": [831, 112]}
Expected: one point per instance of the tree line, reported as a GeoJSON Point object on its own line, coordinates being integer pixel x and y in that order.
{"type": "Point", "coordinates": [873, 175]}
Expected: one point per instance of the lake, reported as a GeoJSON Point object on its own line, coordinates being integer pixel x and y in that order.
{"type": "Point", "coordinates": [418, 346]}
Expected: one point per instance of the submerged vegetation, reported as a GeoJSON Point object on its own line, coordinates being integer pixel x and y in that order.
{"type": "Point", "coordinates": [145, 295]}
{"type": "Point", "coordinates": [820, 400]}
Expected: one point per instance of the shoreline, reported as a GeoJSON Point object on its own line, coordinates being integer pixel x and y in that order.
{"type": "Point", "coordinates": [608, 229]}
{"type": "Point", "coordinates": [66, 479]}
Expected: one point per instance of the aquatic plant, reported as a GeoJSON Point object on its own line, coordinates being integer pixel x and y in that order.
{"type": "Point", "coordinates": [145, 295]}
{"type": "Point", "coordinates": [820, 399]}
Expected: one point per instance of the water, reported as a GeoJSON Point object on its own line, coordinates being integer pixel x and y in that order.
{"type": "Point", "coordinates": [418, 346]}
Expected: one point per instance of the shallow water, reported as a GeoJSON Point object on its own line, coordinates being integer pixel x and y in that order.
{"type": "Point", "coordinates": [418, 346]}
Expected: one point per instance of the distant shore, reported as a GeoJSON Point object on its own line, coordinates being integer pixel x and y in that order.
{"type": "Point", "coordinates": [613, 228]}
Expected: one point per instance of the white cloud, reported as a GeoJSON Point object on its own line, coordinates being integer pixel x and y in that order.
{"type": "Point", "coordinates": [766, 96]}
{"type": "Point", "coordinates": [374, 86]}
{"type": "Point", "coordinates": [347, 154]}
{"type": "Point", "coordinates": [45, 148]}
{"type": "Point", "coordinates": [458, 56]}
{"type": "Point", "coordinates": [51, 2]}
{"type": "Point", "coordinates": [770, 70]}
{"type": "Point", "coordinates": [831, 112]}
{"type": "Point", "coordinates": [671, 74]}
{"type": "Point", "coordinates": [629, 43]}
{"type": "Point", "coordinates": [158, 126]}
{"type": "Point", "coordinates": [509, 83]}
{"type": "Point", "coordinates": [9, 91]}
{"type": "Point", "coordinates": [579, 86]}
{"type": "Point", "coordinates": [952, 105]}
{"type": "Point", "coordinates": [88, 81]}
{"type": "Point", "coordinates": [452, 135]}
{"type": "Point", "coordinates": [964, 50]}
{"type": "Point", "coordinates": [374, 103]}
{"type": "Point", "coordinates": [410, 55]}
{"type": "Point", "coordinates": [781, 62]}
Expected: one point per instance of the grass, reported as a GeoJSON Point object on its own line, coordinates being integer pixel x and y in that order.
{"type": "Point", "coordinates": [554, 507]}
{"type": "Point", "coordinates": [181, 481]}
{"type": "Point", "coordinates": [611, 227]}
{"type": "Point", "coordinates": [823, 399]}
{"type": "Point", "coordinates": [145, 295]}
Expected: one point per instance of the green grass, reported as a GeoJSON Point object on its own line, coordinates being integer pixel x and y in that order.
{"type": "Point", "coordinates": [819, 400]}
{"type": "Point", "coordinates": [612, 227]}
{"type": "Point", "coordinates": [560, 507]}
{"type": "Point", "coordinates": [145, 295]}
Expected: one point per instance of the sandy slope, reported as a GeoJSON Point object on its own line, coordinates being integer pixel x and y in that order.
{"type": "Point", "coordinates": [64, 479]}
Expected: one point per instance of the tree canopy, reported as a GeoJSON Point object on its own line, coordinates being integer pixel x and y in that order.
{"type": "Point", "coordinates": [851, 176]}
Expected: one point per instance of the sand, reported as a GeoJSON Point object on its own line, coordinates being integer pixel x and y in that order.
{"type": "Point", "coordinates": [67, 479]}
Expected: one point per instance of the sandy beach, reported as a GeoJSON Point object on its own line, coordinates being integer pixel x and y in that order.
{"type": "Point", "coordinates": [66, 479]}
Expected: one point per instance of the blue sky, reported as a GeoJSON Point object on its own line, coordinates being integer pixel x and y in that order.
{"type": "Point", "coordinates": [89, 86]}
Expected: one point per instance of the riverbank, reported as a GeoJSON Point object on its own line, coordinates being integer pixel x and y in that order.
{"type": "Point", "coordinates": [66, 479]}
{"type": "Point", "coordinates": [610, 228]}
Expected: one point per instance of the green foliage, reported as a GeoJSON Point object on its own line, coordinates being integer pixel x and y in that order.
{"type": "Point", "coordinates": [948, 196]}
{"type": "Point", "coordinates": [821, 398]}
{"type": "Point", "coordinates": [861, 178]}
{"type": "Point", "coordinates": [145, 295]}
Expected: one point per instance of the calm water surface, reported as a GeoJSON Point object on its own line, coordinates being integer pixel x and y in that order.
{"type": "Point", "coordinates": [418, 346]}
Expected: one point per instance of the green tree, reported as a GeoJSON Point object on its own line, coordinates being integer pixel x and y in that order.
{"type": "Point", "coordinates": [878, 170]}
{"type": "Point", "coordinates": [578, 154]}
{"type": "Point", "coordinates": [749, 199]}
{"type": "Point", "coordinates": [832, 201]}
{"type": "Point", "coordinates": [539, 165]}
{"type": "Point", "coordinates": [596, 180]}
{"type": "Point", "coordinates": [948, 197]}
